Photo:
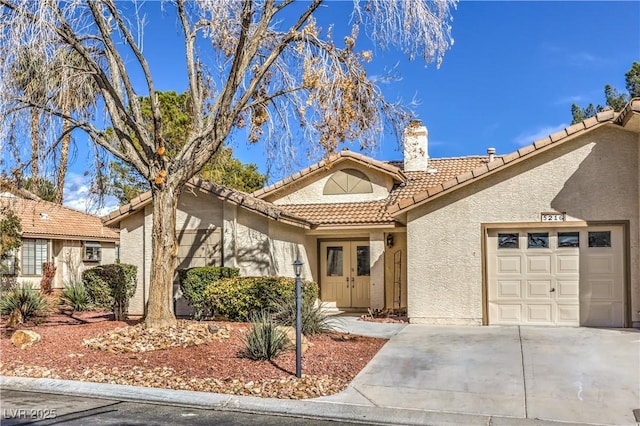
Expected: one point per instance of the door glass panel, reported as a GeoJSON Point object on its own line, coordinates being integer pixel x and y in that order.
{"type": "Point", "coordinates": [568, 239]}
{"type": "Point", "coordinates": [362, 253]}
{"type": "Point", "coordinates": [600, 239]}
{"type": "Point", "coordinates": [334, 261]}
{"type": "Point", "coordinates": [538, 240]}
{"type": "Point", "coordinates": [507, 241]}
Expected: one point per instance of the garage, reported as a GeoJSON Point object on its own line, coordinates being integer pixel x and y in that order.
{"type": "Point", "coordinates": [571, 276]}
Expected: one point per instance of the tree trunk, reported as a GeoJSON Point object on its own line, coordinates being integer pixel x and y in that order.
{"type": "Point", "coordinates": [64, 158]}
{"type": "Point", "coordinates": [35, 150]}
{"type": "Point", "coordinates": [163, 257]}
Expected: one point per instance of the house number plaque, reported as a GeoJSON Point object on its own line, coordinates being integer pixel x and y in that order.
{"type": "Point", "coordinates": [552, 217]}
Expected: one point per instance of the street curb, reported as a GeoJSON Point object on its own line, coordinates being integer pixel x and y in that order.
{"type": "Point", "coordinates": [315, 409]}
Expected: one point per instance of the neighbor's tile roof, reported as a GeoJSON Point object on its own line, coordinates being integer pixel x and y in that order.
{"type": "Point", "coordinates": [43, 219]}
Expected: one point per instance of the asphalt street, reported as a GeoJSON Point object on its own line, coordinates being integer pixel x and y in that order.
{"type": "Point", "coordinates": [32, 408]}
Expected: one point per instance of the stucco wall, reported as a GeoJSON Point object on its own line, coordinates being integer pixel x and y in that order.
{"type": "Point", "coordinates": [376, 259]}
{"type": "Point", "coordinates": [289, 243]}
{"type": "Point", "coordinates": [392, 291]}
{"type": "Point", "coordinates": [132, 251]}
{"type": "Point", "coordinates": [593, 178]}
{"type": "Point", "coordinates": [309, 191]}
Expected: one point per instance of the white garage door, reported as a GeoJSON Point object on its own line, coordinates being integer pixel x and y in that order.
{"type": "Point", "coordinates": [555, 276]}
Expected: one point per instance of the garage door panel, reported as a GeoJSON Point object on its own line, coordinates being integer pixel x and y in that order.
{"type": "Point", "coordinates": [538, 289]}
{"type": "Point", "coordinates": [509, 264]}
{"type": "Point", "coordinates": [601, 289]}
{"type": "Point", "coordinates": [507, 313]}
{"type": "Point", "coordinates": [539, 264]}
{"type": "Point", "coordinates": [600, 264]}
{"type": "Point", "coordinates": [567, 264]}
{"type": "Point", "coordinates": [567, 289]}
{"type": "Point", "coordinates": [539, 314]}
{"type": "Point", "coordinates": [568, 314]}
{"type": "Point", "coordinates": [599, 314]}
{"type": "Point", "coordinates": [509, 289]}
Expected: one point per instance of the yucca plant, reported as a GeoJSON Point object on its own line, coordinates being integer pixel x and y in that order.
{"type": "Point", "coordinates": [264, 341]}
{"type": "Point", "coordinates": [76, 297]}
{"type": "Point", "coordinates": [314, 320]}
{"type": "Point", "coordinates": [23, 304]}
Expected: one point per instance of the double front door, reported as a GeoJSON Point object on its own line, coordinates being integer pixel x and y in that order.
{"type": "Point", "coordinates": [345, 271]}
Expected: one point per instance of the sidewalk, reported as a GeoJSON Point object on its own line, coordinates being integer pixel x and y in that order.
{"type": "Point", "coordinates": [446, 375]}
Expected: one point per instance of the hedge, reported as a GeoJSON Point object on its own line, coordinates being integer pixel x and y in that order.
{"type": "Point", "coordinates": [111, 287]}
{"type": "Point", "coordinates": [237, 298]}
{"type": "Point", "coordinates": [194, 281]}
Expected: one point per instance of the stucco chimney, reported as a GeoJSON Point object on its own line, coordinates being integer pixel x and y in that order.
{"type": "Point", "coordinates": [416, 147]}
{"type": "Point", "coordinates": [492, 154]}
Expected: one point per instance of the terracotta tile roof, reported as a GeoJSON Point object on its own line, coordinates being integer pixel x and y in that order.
{"type": "Point", "coordinates": [410, 201]}
{"type": "Point", "coordinates": [43, 219]}
{"type": "Point", "coordinates": [333, 159]}
{"type": "Point", "coordinates": [233, 196]}
{"type": "Point", "coordinates": [361, 213]}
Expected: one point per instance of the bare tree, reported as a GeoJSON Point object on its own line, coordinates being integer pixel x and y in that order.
{"type": "Point", "coordinates": [259, 64]}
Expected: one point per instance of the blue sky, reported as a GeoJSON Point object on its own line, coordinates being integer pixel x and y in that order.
{"type": "Point", "coordinates": [510, 77]}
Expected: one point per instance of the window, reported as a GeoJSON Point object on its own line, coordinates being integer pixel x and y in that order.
{"type": "Point", "coordinates": [348, 181]}
{"type": "Point", "coordinates": [34, 254]}
{"type": "Point", "coordinates": [364, 265]}
{"type": "Point", "coordinates": [508, 241]}
{"type": "Point", "coordinates": [600, 239]}
{"type": "Point", "coordinates": [334, 261]}
{"type": "Point", "coordinates": [538, 240]}
{"type": "Point", "coordinates": [568, 239]}
{"type": "Point", "coordinates": [7, 265]}
{"type": "Point", "coordinates": [92, 252]}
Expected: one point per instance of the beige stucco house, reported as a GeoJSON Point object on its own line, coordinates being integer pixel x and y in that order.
{"type": "Point", "coordinates": [73, 241]}
{"type": "Point", "coordinates": [546, 235]}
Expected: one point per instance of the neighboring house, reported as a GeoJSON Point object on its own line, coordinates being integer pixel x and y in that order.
{"type": "Point", "coordinates": [71, 240]}
{"type": "Point", "coordinates": [547, 235]}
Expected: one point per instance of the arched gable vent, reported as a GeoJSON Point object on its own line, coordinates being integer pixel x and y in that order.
{"type": "Point", "coordinates": [348, 181]}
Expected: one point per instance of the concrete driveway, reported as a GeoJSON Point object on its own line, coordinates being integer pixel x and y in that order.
{"type": "Point", "coordinates": [581, 375]}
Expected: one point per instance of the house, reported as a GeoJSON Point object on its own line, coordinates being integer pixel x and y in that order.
{"type": "Point", "coordinates": [546, 235]}
{"type": "Point", "coordinates": [71, 240]}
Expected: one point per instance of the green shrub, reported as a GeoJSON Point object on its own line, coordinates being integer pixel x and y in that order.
{"type": "Point", "coordinates": [264, 341]}
{"type": "Point", "coordinates": [111, 286]}
{"type": "Point", "coordinates": [23, 304]}
{"type": "Point", "coordinates": [194, 281]}
{"type": "Point", "coordinates": [76, 297]}
{"type": "Point", "coordinates": [236, 298]}
{"type": "Point", "coordinates": [314, 320]}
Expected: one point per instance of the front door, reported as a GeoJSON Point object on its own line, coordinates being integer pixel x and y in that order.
{"type": "Point", "coordinates": [345, 271]}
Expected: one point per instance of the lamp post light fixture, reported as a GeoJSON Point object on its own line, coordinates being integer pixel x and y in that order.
{"type": "Point", "coordinates": [297, 269]}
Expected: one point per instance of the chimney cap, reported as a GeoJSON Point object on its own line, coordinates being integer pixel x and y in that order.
{"type": "Point", "coordinates": [415, 123]}
{"type": "Point", "coordinates": [491, 151]}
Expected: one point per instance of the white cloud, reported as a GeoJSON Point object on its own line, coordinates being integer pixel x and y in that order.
{"type": "Point", "coordinates": [77, 195]}
{"type": "Point", "coordinates": [575, 99]}
{"type": "Point", "coordinates": [527, 138]}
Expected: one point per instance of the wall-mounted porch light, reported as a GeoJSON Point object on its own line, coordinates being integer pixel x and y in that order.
{"type": "Point", "coordinates": [390, 240]}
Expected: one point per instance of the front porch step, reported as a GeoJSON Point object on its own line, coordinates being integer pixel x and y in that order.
{"type": "Point", "coordinates": [330, 308]}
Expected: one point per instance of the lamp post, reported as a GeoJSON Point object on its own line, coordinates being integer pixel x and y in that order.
{"type": "Point", "coordinates": [297, 269]}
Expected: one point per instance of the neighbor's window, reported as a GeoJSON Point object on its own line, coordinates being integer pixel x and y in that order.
{"type": "Point", "coordinates": [568, 239]}
{"type": "Point", "coordinates": [7, 265]}
{"type": "Point", "coordinates": [508, 241]}
{"type": "Point", "coordinates": [600, 239]}
{"type": "Point", "coordinates": [92, 252]}
{"type": "Point", "coordinates": [538, 240]}
{"type": "Point", "coordinates": [34, 254]}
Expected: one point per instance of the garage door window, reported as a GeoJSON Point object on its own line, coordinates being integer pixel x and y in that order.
{"type": "Point", "coordinates": [508, 241]}
{"type": "Point", "coordinates": [538, 240]}
{"type": "Point", "coordinates": [600, 239]}
{"type": "Point", "coordinates": [568, 239]}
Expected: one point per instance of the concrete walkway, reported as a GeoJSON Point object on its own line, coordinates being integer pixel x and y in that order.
{"type": "Point", "coordinates": [445, 375]}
